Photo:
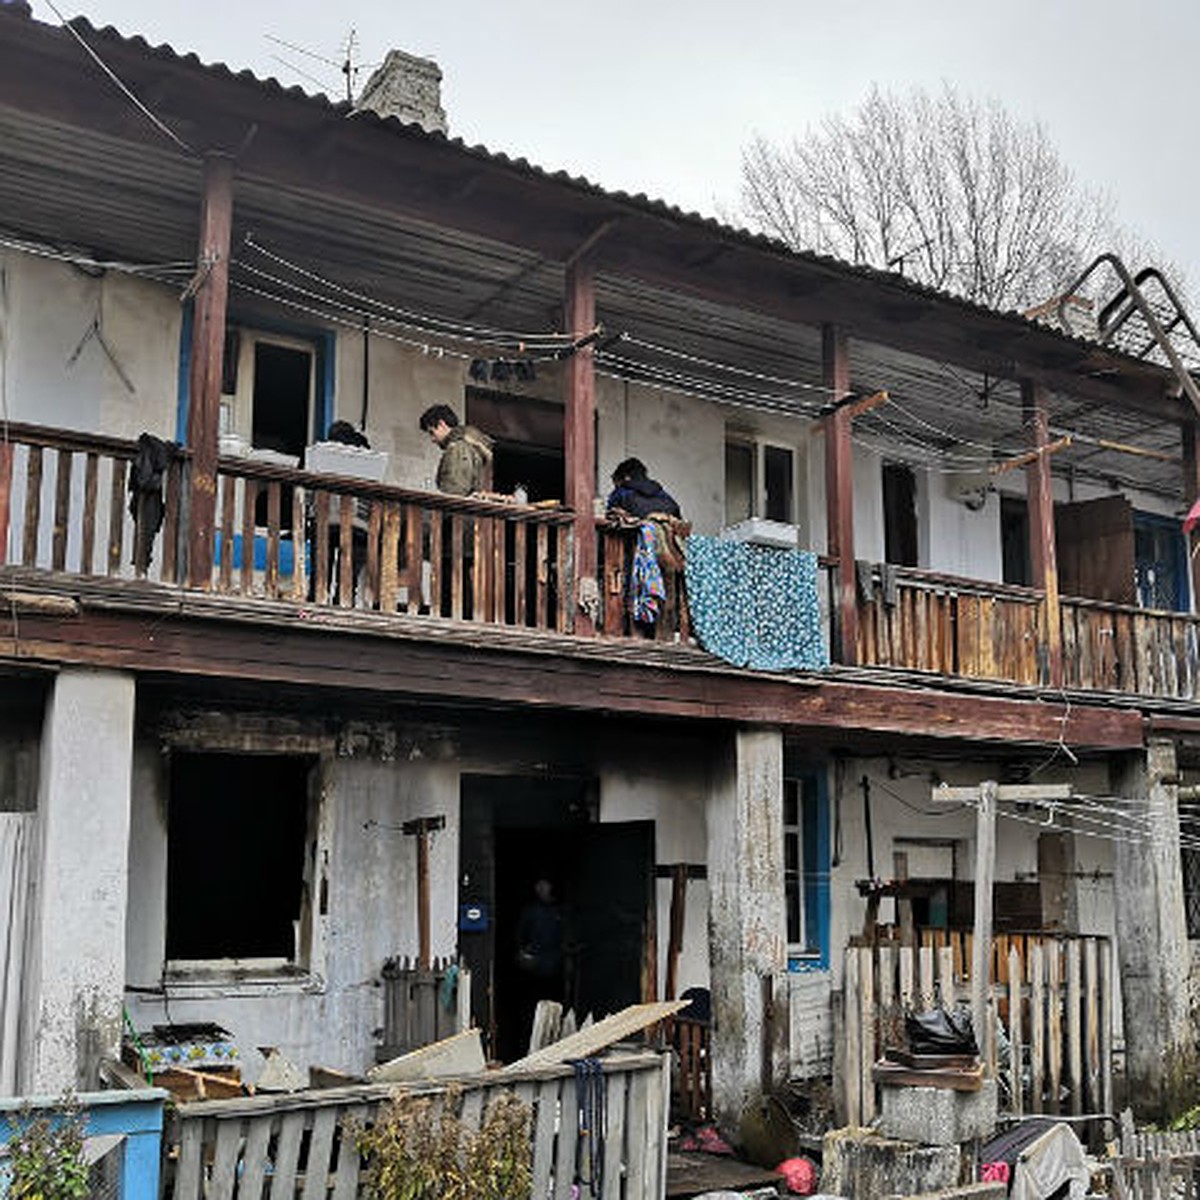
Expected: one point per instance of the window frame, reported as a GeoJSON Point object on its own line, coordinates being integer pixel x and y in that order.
{"type": "Point", "coordinates": [759, 447]}
{"type": "Point", "coordinates": [242, 331]}
{"type": "Point", "coordinates": [814, 859]}
{"type": "Point", "coordinates": [210, 977]}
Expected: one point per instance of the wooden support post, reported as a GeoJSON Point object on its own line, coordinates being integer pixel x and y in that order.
{"type": "Point", "coordinates": [579, 434]}
{"type": "Point", "coordinates": [839, 495]}
{"type": "Point", "coordinates": [1043, 554]}
{"type": "Point", "coordinates": [421, 828]}
{"type": "Point", "coordinates": [211, 291]}
{"type": "Point", "coordinates": [678, 874]}
{"type": "Point", "coordinates": [981, 950]}
{"type": "Point", "coordinates": [1191, 493]}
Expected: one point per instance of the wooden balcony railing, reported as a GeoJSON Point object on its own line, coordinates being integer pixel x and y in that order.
{"type": "Point", "coordinates": [1116, 648]}
{"type": "Point", "coordinates": [616, 545]}
{"type": "Point", "coordinates": [66, 506]}
{"type": "Point", "coordinates": [65, 497]}
{"type": "Point", "coordinates": [950, 626]}
{"type": "Point", "coordinates": [322, 539]}
{"type": "Point", "coordinates": [283, 534]}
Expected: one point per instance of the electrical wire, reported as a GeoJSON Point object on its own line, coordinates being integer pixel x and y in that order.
{"type": "Point", "coordinates": [150, 270]}
{"type": "Point", "coordinates": [150, 116]}
{"type": "Point", "coordinates": [545, 339]}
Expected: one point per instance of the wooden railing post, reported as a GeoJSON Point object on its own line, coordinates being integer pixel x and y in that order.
{"type": "Point", "coordinates": [579, 441]}
{"type": "Point", "coordinates": [1043, 554]}
{"type": "Point", "coordinates": [839, 496]}
{"type": "Point", "coordinates": [211, 290]}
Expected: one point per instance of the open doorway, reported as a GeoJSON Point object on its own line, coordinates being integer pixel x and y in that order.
{"type": "Point", "coordinates": [518, 830]}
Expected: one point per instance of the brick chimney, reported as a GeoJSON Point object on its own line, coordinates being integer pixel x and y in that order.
{"type": "Point", "coordinates": [408, 88]}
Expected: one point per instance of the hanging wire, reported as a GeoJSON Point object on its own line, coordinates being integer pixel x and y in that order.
{"type": "Point", "coordinates": [543, 339]}
{"type": "Point", "coordinates": [150, 116]}
{"type": "Point", "coordinates": [149, 270]}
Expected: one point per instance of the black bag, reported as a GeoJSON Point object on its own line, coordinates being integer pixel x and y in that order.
{"type": "Point", "coordinates": [940, 1032]}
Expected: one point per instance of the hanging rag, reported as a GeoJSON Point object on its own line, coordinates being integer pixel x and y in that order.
{"type": "Point", "coordinates": [864, 578]}
{"type": "Point", "coordinates": [146, 505]}
{"type": "Point", "coordinates": [756, 606]}
{"type": "Point", "coordinates": [647, 591]}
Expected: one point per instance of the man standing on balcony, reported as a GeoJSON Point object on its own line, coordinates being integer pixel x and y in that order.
{"type": "Point", "coordinates": [466, 464]}
{"type": "Point", "coordinates": [636, 493]}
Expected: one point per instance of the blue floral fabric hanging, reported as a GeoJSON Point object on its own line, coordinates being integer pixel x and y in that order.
{"type": "Point", "coordinates": [755, 606]}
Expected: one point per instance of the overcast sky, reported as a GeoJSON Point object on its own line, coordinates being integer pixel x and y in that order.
{"type": "Point", "coordinates": [659, 96]}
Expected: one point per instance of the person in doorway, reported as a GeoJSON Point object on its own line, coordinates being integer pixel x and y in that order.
{"type": "Point", "coordinates": [539, 953]}
{"type": "Point", "coordinates": [540, 939]}
{"type": "Point", "coordinates": [466, 463]}
{"type": "Point", "coordinates": [635, 493]}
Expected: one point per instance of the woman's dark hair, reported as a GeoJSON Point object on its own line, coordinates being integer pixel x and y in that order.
{"type": "Point", "coordinates": [631, 468]}
{"type": "Point", "coordinates": [435, 413]}
{"type": "Point", "coordinates": [344, 432]}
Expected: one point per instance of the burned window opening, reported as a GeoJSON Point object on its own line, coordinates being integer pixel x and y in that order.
{"type": "Point", "coordinates": [237, 831]}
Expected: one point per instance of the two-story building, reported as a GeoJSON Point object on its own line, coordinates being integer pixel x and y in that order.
{"type": "Point", "coordinates": [271, 718]}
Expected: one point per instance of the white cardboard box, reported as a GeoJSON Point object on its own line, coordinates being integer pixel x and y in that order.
{"type": "Point", "coordinates": [336, 458]}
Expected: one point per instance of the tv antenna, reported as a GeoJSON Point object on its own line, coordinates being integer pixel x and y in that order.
{"type": "Point", "coordinates": [349, 66]}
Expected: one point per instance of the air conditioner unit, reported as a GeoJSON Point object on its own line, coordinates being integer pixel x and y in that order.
{"type": "Point", "coordinates": [969, 488]}
{"type": "Point", "coordinates": [761, 532]}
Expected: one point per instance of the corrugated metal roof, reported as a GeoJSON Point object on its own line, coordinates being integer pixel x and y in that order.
{"type": "Point", "coordinates": [649, 205]}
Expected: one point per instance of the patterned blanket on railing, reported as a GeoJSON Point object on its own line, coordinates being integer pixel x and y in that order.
{"type": "Point", "coordinates": [755, 606]}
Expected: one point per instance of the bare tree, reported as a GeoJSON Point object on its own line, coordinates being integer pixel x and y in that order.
{"type": "Point", "coordinates": [950, 191]}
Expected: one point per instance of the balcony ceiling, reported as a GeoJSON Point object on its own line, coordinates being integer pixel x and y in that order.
{"type": "Point", "coordinates": [376, 210]}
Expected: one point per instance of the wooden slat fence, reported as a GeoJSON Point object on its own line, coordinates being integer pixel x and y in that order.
{"type": "Point", "coordinates": [1053, 997]}
{"type": "Point", "coordinates": [1156, 1166]}
{"type": "Point", "coordinates": [296, 1146]}
{"type": "Point", "coordinates": [952, 626]}
{"type": "Point", "coordinates": [415, 1012]}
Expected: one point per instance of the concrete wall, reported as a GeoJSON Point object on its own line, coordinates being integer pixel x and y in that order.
{"type": "Point", "coordinates": [75, 956]}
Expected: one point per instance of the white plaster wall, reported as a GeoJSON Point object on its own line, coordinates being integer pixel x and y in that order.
{"type": "Point", "coordinates": [671, 793]}
{"type": "Point", "coordinates": [956, 540]}
{"type": "Point", "coordinates": [680, 439]}
{"type": "Point", "coordinates": [372, 915]}
{"type": "Point", "coordinates": [47, 309]}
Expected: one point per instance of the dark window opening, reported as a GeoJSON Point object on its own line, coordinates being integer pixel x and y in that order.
{"type": "Point", "coordinates": [778, 478]}
{"type": "Point", "coordinates": [1160, 562]}
{"type": "Point", "coordinates": [1191, 890]}
{"type": "Point", "coordinates": [282, 386]}
{"type": "Point", "coordinates": [236, 829]}
{"type": "Point", "coordinates": [1014, 541]}
{"type": "Point", "coordinates": [899, 515]}
{"type": "Point", "coordinates": [739, 482]}
{"type": "Point", "coordinates": [281, 391]}
{"type": "Point", "coordinates": [527, 438]}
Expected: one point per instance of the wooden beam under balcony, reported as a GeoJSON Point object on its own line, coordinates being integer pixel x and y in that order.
{"type": "Point", "coordinates": [198, 637]}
